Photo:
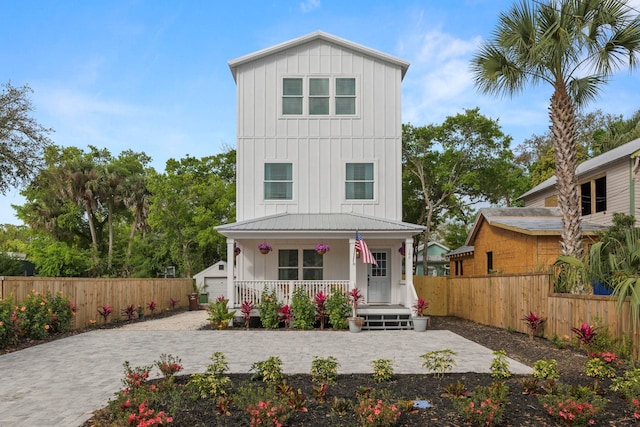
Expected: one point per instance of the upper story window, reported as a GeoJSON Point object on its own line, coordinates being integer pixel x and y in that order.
{"type": "Point", "coordinates": [359, 181]}
{"type": "Point", "coordinates": [593, 196]}
{"type": "Point", "coordinates": [319, 96]}
{"type": "Point", "coordinates": [278, 181]}
{"type": "Point", "coordinates": [292, 96]}
{"type": "Point", "coordinates": [345, 96]}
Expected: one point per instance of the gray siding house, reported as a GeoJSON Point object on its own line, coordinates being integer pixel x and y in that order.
{"type": "Point", "coordinates": [608, 183]}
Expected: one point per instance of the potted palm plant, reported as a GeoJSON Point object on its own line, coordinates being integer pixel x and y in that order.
{"type": "Point", "coordinates": [355, 322]}
{"type": "Point", "coordinates": [419, 319]}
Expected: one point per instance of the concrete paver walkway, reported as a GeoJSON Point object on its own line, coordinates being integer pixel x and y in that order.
{"type": "Point", "coordinates": [62, 382]}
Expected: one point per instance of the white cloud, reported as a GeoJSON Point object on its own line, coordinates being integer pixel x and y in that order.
{"type": "Point", "coordinates": [309, 5]}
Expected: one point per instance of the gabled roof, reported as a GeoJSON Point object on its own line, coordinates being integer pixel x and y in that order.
{"type": "Point", "coordinates": [599, 162]}
{"type": "Point", "coordinates": [329, 225]}
{"type": "Point", "coordinates": [317, 35]}
{"type": "Point", "coordinates": [461, 251]}
{"type": "Point", "coordinates": [529, 221]}
{"type": "Point", "coordinates": [432, 243]}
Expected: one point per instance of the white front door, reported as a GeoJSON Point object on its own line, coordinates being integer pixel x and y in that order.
{"type": "Point", "coordinates": [379, 278]}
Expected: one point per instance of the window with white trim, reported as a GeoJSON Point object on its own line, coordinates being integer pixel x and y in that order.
{"type": "Point", "coordinates": [292, 96]}
{"type": "Point", "coordinates": [290, 266]}
{"type": "Point", "coordinates": [359, 183]}
{"type": "Point", "coordinates": [319, 96]}
{"type": "Point", "coordinates": [278, 181]}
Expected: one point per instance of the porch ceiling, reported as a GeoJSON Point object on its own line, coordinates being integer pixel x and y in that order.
{"type": "Point", "coordinates": [329, 225]}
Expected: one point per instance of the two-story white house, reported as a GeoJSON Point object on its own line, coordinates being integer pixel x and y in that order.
{"type": "Point", "coordinates": [319, 136]}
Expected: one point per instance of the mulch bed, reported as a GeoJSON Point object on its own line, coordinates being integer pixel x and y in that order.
{"type": "Point", "coordinates": [522, 409]}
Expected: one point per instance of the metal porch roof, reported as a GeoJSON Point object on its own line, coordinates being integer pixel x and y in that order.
{"type": "Point", "coordinates": [334, 224]}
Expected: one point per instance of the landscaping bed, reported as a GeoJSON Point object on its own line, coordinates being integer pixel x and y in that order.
{"type": "Point", "coordinates": [339, 406]}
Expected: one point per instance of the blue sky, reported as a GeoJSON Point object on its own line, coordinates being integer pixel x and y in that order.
{"type": "Point", "coordinates": [152, 75]}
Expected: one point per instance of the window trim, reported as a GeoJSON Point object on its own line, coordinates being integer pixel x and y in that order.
{"type": "Point", "coordinates": [300, 268]}
{"type": "Point", "coordinates": [264, 182]}
{"type": "Point", "coordinates": [375, 181]}
{"type": "Point", "coordinates": [332, 96]}
{"type": "Point", "coordinates": [593, 194]}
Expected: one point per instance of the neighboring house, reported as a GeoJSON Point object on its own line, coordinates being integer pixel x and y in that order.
{"type": "Point", "coordinates": [437, 263]}
{"type": "Point", "coordinates": [319, 135]}
{"type": "Point", "coordinates": [513, 240]}
{"type": "Point", "coordinates": [213, 279]}
{"type": "Point", "coordinates": [607, 183]}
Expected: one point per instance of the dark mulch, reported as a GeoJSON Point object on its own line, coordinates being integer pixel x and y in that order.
{"type": "Point", "coordinates": [522, 410]}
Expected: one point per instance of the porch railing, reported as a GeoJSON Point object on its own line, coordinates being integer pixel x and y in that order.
{"type": "Point", "coordinates": [251, 290]}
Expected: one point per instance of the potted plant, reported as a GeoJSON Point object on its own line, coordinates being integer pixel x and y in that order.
{"type": "Point", "coordinates": [355, 322]}
{"type": "Point", "coordinates": [322, 248]}
{"type": "Point", "coordinates": [265, 248]}
{"type": "Point", "coordinates": [419, 319]}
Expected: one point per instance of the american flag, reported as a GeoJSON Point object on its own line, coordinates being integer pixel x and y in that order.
{"type": "Point", "coordinates": [365, 253]}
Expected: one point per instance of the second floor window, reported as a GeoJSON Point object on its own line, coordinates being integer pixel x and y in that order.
{"type": "Point", "coordinates": [593, 195]}
{"type": "Point", "coordinates": [359, 181]}
{"type": "Point", "coordinates": [278, 181]}
{"type": "Point", "coordinates": [319, 96]}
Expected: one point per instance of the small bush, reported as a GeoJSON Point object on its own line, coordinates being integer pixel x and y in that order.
{"type": "Point", "coordinates": [338, 309]}
{"type": "Point", "coordinates": [269, 308]}
{"type": "Point", "coordinates": [500, 365]}
{"type": "Point", "coordinates": [324, 370]}
{"type": "Point", "coordinates": [382, 370]}
{"type": "Point", "coordinates": [439, 361]}
{"type": "Point", "coordinates": [269, 370]}
{"type": "Point", "coordinates": [213, 383]}
{"type": "Point", "coordinates": [304, 310]}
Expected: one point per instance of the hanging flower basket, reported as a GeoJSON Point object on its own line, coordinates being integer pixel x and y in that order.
{"type": "Point", "coordinates": [402, 250]}
{"type": "Point", "coordinates": [236, 251]}
{"type": "Point", "coordinates": [322, 248]}
{"type": "Point", "coordinates": [265, 248]}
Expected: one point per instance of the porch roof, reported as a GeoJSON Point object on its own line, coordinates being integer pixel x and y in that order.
{"type": "Point", "coordinates": [330, 225]}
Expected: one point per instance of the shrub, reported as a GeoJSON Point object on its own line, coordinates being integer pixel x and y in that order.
{"type": "Point", "coordinates": [213, 382]}
{"type": "Point", "coordinates": [546, 369]}
{"type": "Point", "coordinates": [246, 308]}
{"type": "Point", "coordinates": [169, 365]}
{"type": "Point", "coordinates": [585, 333]}
{"type": "Point", "coordinates": [39, 315]}
{"type": "Point", "coordinates": [485, 406]}
{"type": "Point", "coordinates": [573, 405]}
{"type": "Point", "coordinates": [269, 370]}
{"type": "Point", "coordinates": [130, 311]}
{"type": "Point", "coordinates": [338, 309]}
{"type": "Point", "coordinates": [324, 370]}
{"type": "Point", "coordinates": [500, 365]}
{"type": "Point", "coordinates": [9, 324]}
{"type": "Point", "coordinates": [269, 308]}
{"type": "Point", "coordinates": [374, 412]}
{"type": "Point", "coordinates": [320, 301]}
{"type": "Point", "coordinates": [439, 361]}
{"type": "Point", "coordinates": [268, 413]}
{"type": "Point", "coordinates": [627, 386]}
{"type": "Point", "coordinates": [219, 314]}
{"type": "Point", "coordinates": [534, 322]}
{"type": "Point", "coordinates": [304, 310]}
{"type": "Point", "coordinates": [382, 370]}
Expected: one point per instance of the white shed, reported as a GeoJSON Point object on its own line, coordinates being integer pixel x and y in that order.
{"type": "Point", "coordinates": [215, 278]}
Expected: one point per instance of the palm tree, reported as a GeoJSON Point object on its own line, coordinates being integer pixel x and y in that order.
{"type": "Point", "coordinates": [575, 46]}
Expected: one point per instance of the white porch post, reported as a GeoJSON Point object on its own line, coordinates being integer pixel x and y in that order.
{"type": "Point", "coordinates": [231, 294]}
{"type": "Point", "coordinates": [408, 272]}
{"type": "Point", "coordinates": [352, 264]}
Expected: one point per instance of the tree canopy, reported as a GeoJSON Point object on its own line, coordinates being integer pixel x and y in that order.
{"type": "Point", "coordinates": [22, 138]}
{"type": "Point", "coordinates": [573, 45]}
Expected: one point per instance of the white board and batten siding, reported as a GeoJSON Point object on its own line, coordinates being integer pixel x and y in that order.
{"type": "Point", "coordinates": [318, 147]}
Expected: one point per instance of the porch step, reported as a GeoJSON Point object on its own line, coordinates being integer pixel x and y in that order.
{"type": "Point", "coordinates": [385, 317]}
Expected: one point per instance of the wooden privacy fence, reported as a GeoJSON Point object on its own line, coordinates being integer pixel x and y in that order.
{"type": "Point", "coordinates": [89, 294]}
{"type": "Point", "coordinates": [503, 300]}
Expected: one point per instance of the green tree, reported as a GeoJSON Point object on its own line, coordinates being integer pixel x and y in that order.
{"type": "Point", "coordinates": [450, 167]}
{"type": "Point", "coordinates": [573, 45]}
{"type": "Point", "coordinates": [22, 138]}
{"type": "Point", "coordinates": [187, 201]}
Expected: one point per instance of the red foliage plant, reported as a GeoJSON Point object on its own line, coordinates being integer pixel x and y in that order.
{"type": "Point", "coordinates": [585, 333]}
